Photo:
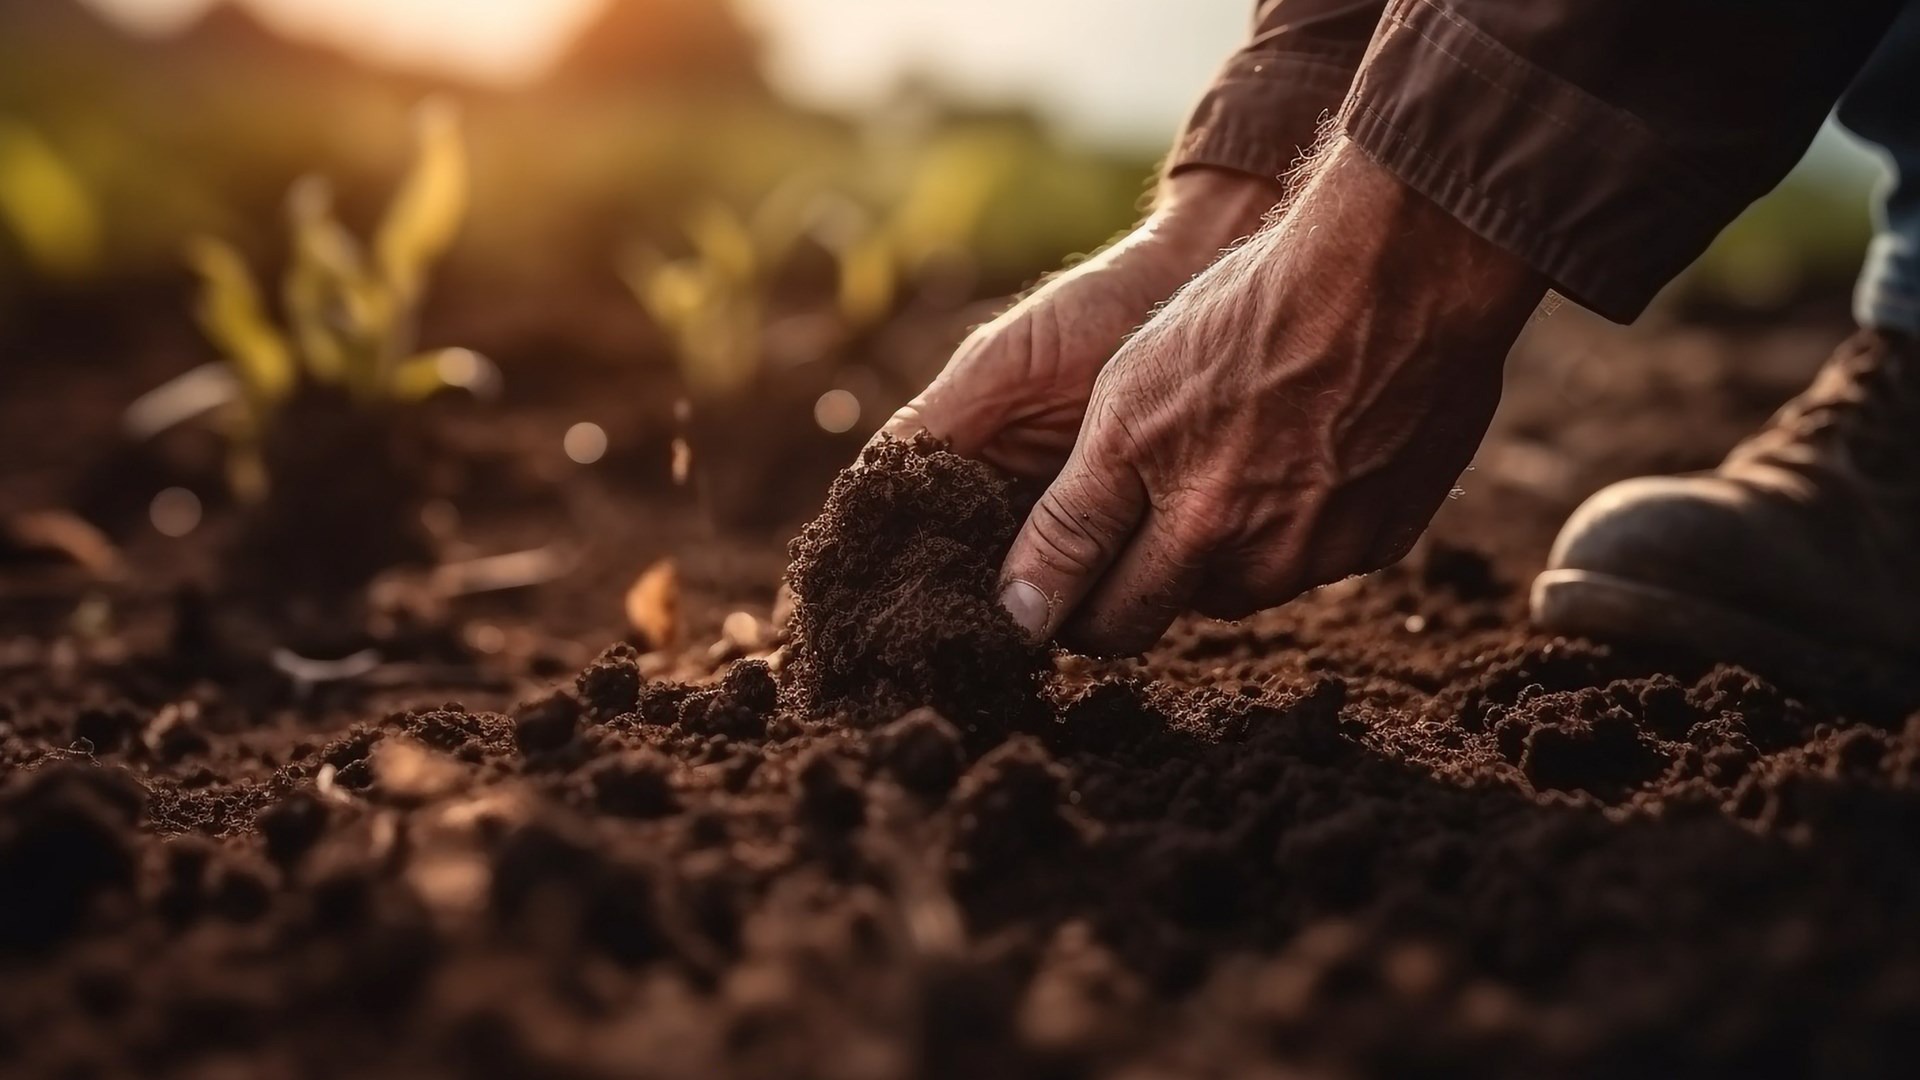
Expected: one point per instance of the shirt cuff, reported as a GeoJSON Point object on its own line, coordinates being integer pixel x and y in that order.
{"type": "Point", "coordinates": [1581, 190]}
{"type": "Point", "coordinates": [1263, 112]}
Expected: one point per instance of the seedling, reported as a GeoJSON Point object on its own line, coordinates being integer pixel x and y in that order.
{"type": "Point", "coordinates": [350, 312]}
{"type": "Point", "coordinates": [44, 205]}
{"type": "Point", "coordinates": [319, 406]}
{"type": "Point", "coordinates": [714, 304]}
{"type": "Point", "coordinates": [717, 303]}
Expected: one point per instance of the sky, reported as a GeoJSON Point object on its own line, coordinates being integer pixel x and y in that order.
{"type": "Point", "coordinates": [1116, 71]}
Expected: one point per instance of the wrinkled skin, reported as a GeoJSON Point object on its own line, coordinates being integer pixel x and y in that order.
{"type": "Point", "coordinates": [1294, 415]}
{"type": "Point", "coordinates": [1017, 389]}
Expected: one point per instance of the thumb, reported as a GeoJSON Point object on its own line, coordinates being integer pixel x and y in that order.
{"type": "Point", "coordinates": [1076, 530]}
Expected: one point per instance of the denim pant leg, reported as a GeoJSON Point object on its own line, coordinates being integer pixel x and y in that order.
{"type": "Point", "coordinates": [1883, 107]}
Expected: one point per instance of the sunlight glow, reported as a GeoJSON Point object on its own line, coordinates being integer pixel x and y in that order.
{"type": "Point", "coordinates": [502, 40]}
{"type": "Point", "coordinates": [1125, 70]}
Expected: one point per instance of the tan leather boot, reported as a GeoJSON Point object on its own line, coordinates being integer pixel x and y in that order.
{"type": "Point", "coordinates": [1802, 548]}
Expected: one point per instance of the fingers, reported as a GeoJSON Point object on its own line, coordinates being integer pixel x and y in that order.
{"type": "Point", "coordinates": [1076, 531]}
{"type": "Point", "coordinates": [1149, 585]}
{"type": "Point", "coordinates": [904, 425]}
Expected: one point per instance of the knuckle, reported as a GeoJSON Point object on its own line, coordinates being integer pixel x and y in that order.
{"type": "Point", "coordinates": [1202, 522]}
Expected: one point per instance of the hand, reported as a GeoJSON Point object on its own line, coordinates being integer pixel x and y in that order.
{"type": "Point", "coordinates": [1016, 391]}
{"type": "Point", "coordinates": [1294, 416]}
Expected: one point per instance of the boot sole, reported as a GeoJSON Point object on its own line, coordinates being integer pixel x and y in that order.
{"type": "Point", "coordinates": [1604, 607]}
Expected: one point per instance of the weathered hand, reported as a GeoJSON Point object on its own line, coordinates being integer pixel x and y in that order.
{"type": "Point", "coordinates": [1016, 390]}
{"type": "Point", "coordinates": [1294, 416]}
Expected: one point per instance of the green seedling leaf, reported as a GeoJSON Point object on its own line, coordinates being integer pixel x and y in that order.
{"type": "Point", "coordinates": [784, 218]}
{"type": "Point", "coordinates": [868, 280]}
{"type": "Point", "coordinates": [673, 291]}
{"type": "Point", "coordinates": [233, 317]}
{"type": "Point", "coordinates": [45, 204]}
{"type": "Point", "coordinates": [724, 243]}
{"type": "Point", "coordinates": [712, 319]}
{"type": "Point", "coordinates": [954, 184]}
{"type": "Point", "coordinates": [720, 351]}
{"type": "Point", "coordinates": [432, 202]}
{"type": "Point", "coordinates": [321, 282]}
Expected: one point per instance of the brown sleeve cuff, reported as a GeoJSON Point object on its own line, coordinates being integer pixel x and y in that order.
{"type": "Point", "coordinates": [1263, 111]}
{"type": "Point", "coordinates": [1583, 191]}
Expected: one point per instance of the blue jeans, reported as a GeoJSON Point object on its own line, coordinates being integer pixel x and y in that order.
{"type": "Point", "coordinates": [1883, 107]}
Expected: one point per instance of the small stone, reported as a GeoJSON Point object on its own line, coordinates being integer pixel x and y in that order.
{"type": "Point", "coordinates": [922, 751]}
{"type": "Point", "coordinates": [547, 724]}
{"type": "Point", "coordinates": [292, 826]}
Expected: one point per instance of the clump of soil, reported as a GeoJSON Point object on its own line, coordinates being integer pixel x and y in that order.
{"type": "Point", "coordinates": [894, 596]}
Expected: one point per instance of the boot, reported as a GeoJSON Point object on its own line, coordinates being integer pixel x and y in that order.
{"type": "Point", "coordinates": [1802, 549]}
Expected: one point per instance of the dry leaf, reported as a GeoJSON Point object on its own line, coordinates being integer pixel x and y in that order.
{"type": "Point", "coordinates": [62, 535]}
{"type": "Point", "coordinates": [653, 606]}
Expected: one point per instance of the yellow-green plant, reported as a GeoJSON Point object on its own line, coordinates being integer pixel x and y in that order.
{"type": "Point", "coordinates": [350, 309]}
{"type": "Point", "coordinates": [713, 301]}
{"type": "Point", "coordinates": [45, 204]}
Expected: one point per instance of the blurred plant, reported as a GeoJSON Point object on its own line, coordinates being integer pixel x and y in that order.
{"type": "Point", "coordinates": [45, 205]}
{"type": "Point", "coordinates": [351, 314]}
{"type": "Point", "coordinates": [716, 302]}
{"type": "Point", "coordinates": [325, 449]}
{"type": "Point", "coordinates": [951, 185]}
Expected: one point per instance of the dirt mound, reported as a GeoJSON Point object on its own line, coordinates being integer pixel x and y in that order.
{"type": "Point", "coordinates": [894, 589]}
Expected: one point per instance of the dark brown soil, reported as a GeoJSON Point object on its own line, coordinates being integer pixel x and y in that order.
{"type": "Point", "coordinates": [893, 588]}
{"type": "Point", "coordinates": [1386, 831]}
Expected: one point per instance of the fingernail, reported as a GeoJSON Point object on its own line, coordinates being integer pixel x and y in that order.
{"type": "Point", "coordinates": [1028, 606]}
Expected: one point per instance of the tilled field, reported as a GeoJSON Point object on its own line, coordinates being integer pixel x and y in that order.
{"type": "Point", "coordinates": [1388, 830]}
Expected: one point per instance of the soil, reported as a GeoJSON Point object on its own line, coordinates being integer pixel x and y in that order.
{"type": "Point", "coordinates": [1388, 830]}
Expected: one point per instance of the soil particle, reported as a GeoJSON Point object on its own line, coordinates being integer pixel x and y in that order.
{"type": "Point", "coordinates": [547, 724]}
{"type": "Point", "coordinates": [1011, 806]}
{"type": "Point", "coordinates": [922, 752]}
{"type": "Point", "coordinates": [894, 607]}
{"type": "Point", "coordinates": [738, 708]}
{"type": "Point", "coordinates": [292, 826]}
{"type": "Point", "coordinates": [633, 784]}
{"type": "Point", "coordinates": [610, 686]}
{"type": "Point", "coordinates": [829, 794]}
{"type": "Point", "coordinates": [107, 727]}
{"type": "Point", "coordinates": [1582, 741]}
{"type": "Point", "coordinates": [65, 841]}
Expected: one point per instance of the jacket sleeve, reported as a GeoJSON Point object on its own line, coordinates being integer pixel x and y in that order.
{"type": "Point", "coordinates": [1263, 110]}
{"type": "Point", "coordinates": [1606, 142]}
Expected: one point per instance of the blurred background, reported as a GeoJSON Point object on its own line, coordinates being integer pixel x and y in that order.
{"type": "Point", "coordinates": [131, 124]}
{"type": "Point", "coordinates": [752, 207]}
{"type": "Point", "coordinates": [638, 282]}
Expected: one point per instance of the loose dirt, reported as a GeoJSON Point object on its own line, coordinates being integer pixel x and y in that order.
{"type": "Point", "coordinates": [1386, 831]}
